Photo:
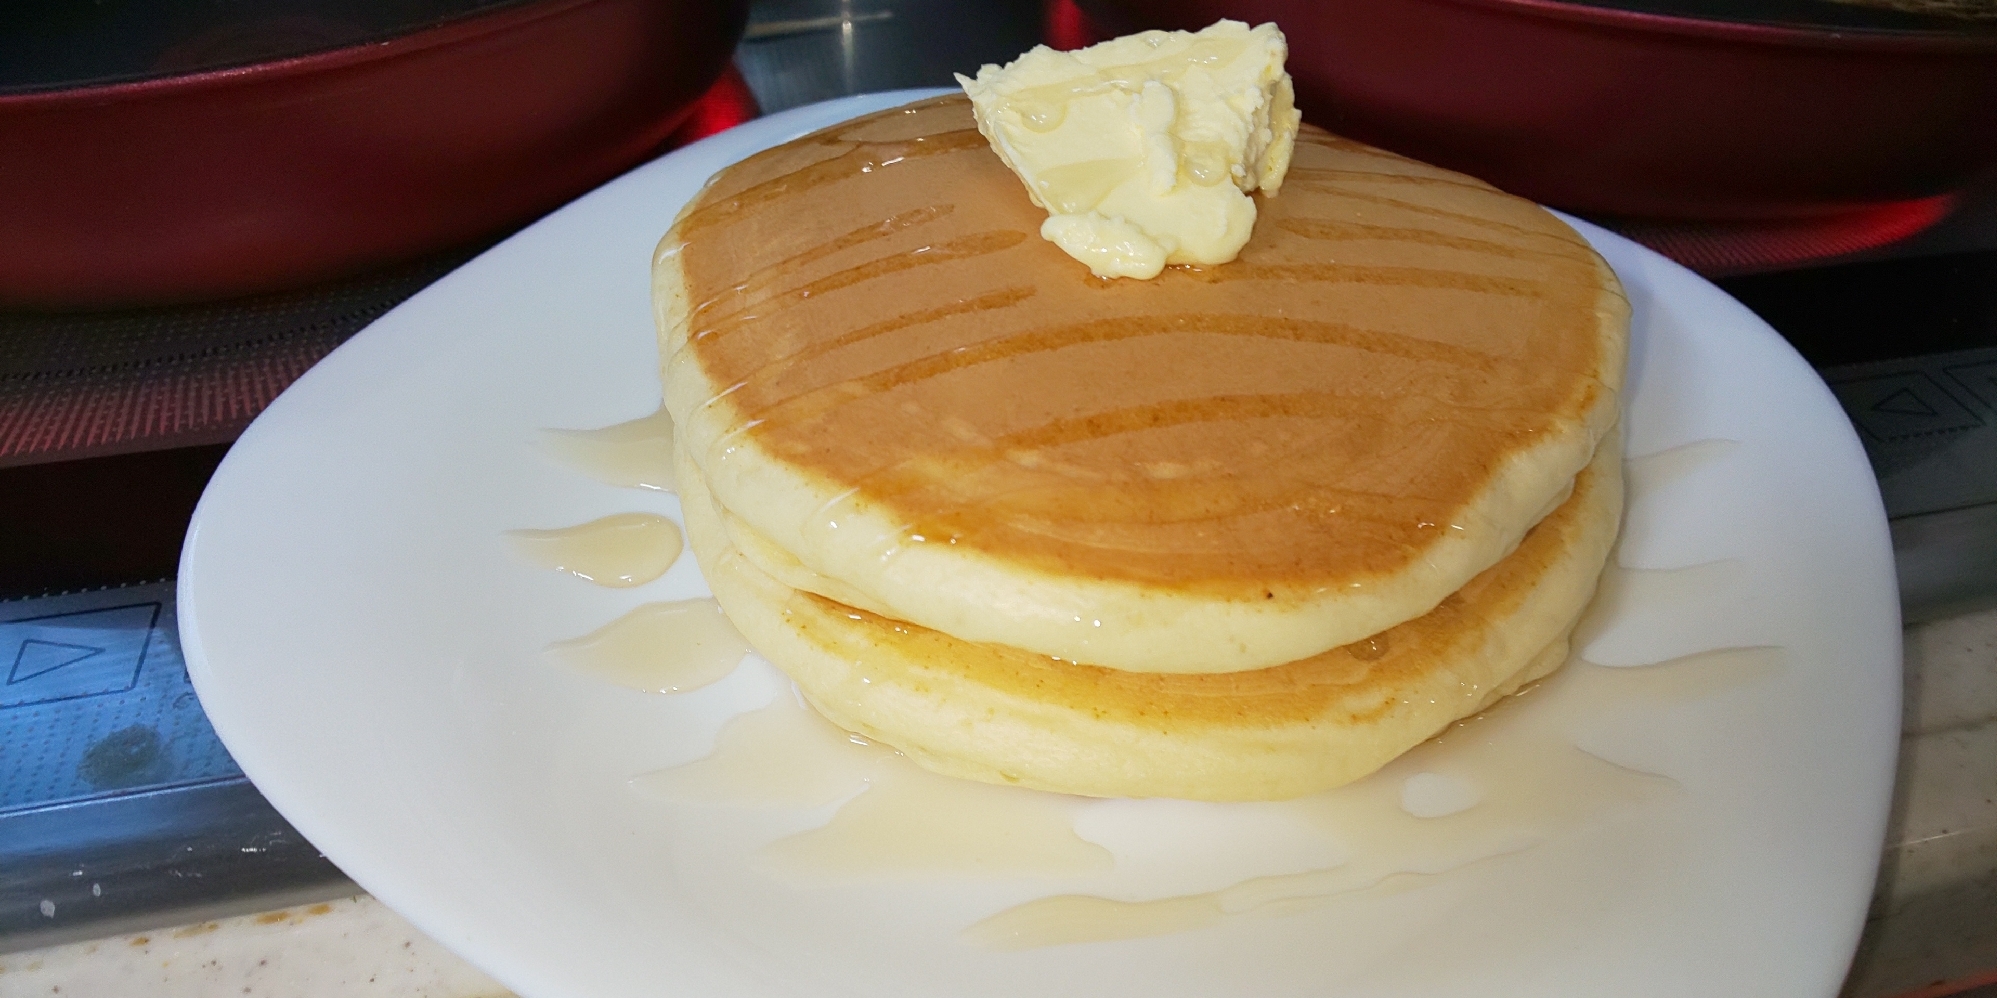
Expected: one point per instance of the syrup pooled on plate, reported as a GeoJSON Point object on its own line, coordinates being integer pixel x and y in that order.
{"type": "Point", "coordinates": [1524, 781]}
{"type": "Point", "coordinates": [659, 647]}
{"type": "Point", "coordinates": [635, 454]}
{"type": "Point", "coordinates": [1494, 784]}
{"type": "Point", "coordinates": [905, 822]}
{"type": "Point", "coordinates": [620, 550]}
{"type": "Point", "coordinates": [1490, 786]}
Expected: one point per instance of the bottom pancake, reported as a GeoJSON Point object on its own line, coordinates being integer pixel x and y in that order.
{"type": "Point", "coordinates": [1003, 715]}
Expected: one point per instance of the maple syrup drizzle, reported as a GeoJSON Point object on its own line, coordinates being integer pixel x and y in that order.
{"type": "Point", "coordinates": [950, 251]}
{"type": "Point", "coordinates": [635, 454]}
{"type": "Point", "coordinates": [619, 551]}
{"type": "Point", "coordinates": [1654, 471]}
{"type": "Point", "coordinates": [1346, 193]}
{"type": "Point", "coordinates": [658, 648]}
{"type": "Point", "coordinates": [1529, 783]}
{"type": "Point", "coordinates": [1002, 298]}
{"type": "Point", "coordinates": [863, 157]}
{"type": "Point", "coordinates": [1337, 231]}
{"type": "Point", "coordinates": [763, 278]}
{"type": "Point", "coordinates": [1492, 785]}
{"type": "Point", "coordinates": [830, 324]}
{"type": "Point", "coordinates": [905, 821]}
{"type": "Point", "coordinates": [816, 403]}
{"type": "Point", "coordinates": [1321, 173]}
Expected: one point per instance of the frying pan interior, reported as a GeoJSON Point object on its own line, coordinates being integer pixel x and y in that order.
{"type": "Point", "coordinates": [1949, 16]}
{"type": "Point", "coordinates": [177, 150]}
{"type": "Point", "coordinates": [52, 44]}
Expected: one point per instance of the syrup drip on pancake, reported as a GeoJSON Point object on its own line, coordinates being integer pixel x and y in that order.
{"type": "Point", "coordinates": [659, 647]}
{"type": "Point", "coordinates": [620, 550]}
{"type": "Point", "coordinates": [636, 454]}
{"type": "Point", "coordinates": [897, 358]}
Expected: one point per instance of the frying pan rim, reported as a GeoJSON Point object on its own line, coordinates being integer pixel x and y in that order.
{"type": "Point", "coordinates": [492, 20]}
{"type": "Point", "coordinates": [1937, 41]}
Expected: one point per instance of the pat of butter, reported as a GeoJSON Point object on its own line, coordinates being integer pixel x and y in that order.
{"type": "Point", "coordinates": [1143, 149]}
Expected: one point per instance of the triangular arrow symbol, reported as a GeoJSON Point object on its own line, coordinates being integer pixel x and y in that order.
{"type": "Point", "coordinates": [39, 658]}
{"type": "Point", "coordinates": [1904, 403]}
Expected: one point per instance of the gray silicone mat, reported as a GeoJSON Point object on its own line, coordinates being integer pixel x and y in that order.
{"type": "Point", "coordinates": [1929, 424]}
{"type": "Point", "coordinates": [97, 702]}
{"type": "Point", "coordinates": [119, 807]}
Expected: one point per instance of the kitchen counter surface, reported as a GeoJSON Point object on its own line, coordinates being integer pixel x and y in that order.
{"type": "Point", "coordinates": [350, 948]}
{"type": "Point", "coordinates": [1934, 913]}
{"type": "Point", "coordinates": [1933, 919]}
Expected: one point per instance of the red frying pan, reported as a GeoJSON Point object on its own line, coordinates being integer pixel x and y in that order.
{"type": "Point", "coordinates": [1657, 109]}
{"type": "Point", "coordinates": [175, 186]}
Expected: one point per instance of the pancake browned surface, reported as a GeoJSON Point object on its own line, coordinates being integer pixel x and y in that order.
{"type": "Point", "coordinates": [886, 375]}
{"type": "Point", "coordinates": [1001, 715]}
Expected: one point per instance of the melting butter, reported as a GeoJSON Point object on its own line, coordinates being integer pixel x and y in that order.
{"type": "Point", "coordinates": [1521, 781]}
{"type": "Point", "coordinates": [626, 549]}
{"type": "Point", "coordinates": [659, 647]}
{"type": "Point", "coordinates": [1143, 149]}
{"type": "Point", "coordinates": [635, 454]}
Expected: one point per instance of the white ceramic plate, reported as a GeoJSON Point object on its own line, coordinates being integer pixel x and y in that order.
{"type": "Point", "coordinates": [371, 655]}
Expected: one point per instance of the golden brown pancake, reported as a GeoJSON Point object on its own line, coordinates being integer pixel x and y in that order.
{"type": "Point", "coordinates": [1001, 715]}
{"type": "Point", "coordinates": [911, 400]}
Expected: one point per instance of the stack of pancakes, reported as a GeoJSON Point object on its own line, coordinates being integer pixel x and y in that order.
{"type": "Point", "coordinates": [1239, 532]}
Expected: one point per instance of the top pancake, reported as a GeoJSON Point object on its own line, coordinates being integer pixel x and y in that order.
{"type": "Point", "coordinates": [882, 371]}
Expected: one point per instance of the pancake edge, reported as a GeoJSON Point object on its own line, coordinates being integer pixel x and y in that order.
{"type": "Point", "coordinates": [952, 725]}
